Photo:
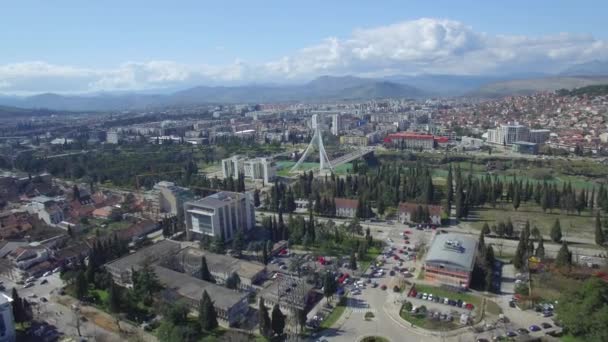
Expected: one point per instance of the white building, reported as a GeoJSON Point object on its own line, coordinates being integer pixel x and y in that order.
{"type": "Point", "coordinates": [233, 166]}
{"type": "Point", "coordinates": [260, 169]}
{"type": "Point", "coordinates": [167, 199]}
{"type": "Point", "coordinates": [113, 137]}
{"type": "Point", "coordinates": [7, 321]}
{"type": "Point", "coordinates": [508, 134]}
{"type": "Point", "coordinates": [336, 124]}
{"type": "Point", "coordinates": [221, 214]}
{"type": "Point", "coordinates": [48, 209]}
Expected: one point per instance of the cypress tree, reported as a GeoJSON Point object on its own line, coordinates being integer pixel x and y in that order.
{"type": "Point", "coordinates": [599, 233]}
{"type": "Point", "coordinates": [113, 298]}
{"type": "Point", "coordinates": [207, 315]}
{"type": "Point", "coordinates": [278, 320]}
{"type": "Point", "coordinates": [556, 231]}
{"type": "Point", "coordinates": [205, 273]}
{"type": "Point", "coordinates": [516, 197]}
{"type": "Point", "coordinates": [564, 257]}
{"type": "Point", "coordinates": [264, 319]}
{"type": "Point", "coordinates": [540, 250]}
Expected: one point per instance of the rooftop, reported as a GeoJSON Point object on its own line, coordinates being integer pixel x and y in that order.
{"type": "Point", "coordinates": [346, 203]}
{"type": "Point", "coordinates": [217, 200]}
{"type": "Point", "coordinates": [192, 288]}
{"type": "Point", "coordinates": [218, 263]}
{"type": "Point", "coordinates": [151, 253]}
{"type": "Point", "coordinates": [453, 249]}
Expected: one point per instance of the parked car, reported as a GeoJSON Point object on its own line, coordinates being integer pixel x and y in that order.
{"type": "Point", "coordinates": [534, 327]}
{"type": "Point", "coordinates": [546, 325]}
{"type": "Point", "coordinates": [383, 287]}
{"type": "Point", "coordinates": [511, 334]}
{"type": "Point", "coordinates": [523, 331]}
{"type": "Point", "coordinates": [28, 285]}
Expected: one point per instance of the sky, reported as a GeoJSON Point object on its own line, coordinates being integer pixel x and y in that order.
{"type": "Point", "coordinates": [80, 46]}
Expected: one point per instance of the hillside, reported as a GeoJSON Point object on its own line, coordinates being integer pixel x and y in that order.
{"type": "Point", "coordinates": [530, 86]}
{"type": "Point", "coordinates": [325, 88]}
{"type": "Point", "coordinates": [594, 90]}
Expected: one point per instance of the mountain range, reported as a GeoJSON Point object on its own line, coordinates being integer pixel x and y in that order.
{"type": "Point", "coordinates": [328, 88]}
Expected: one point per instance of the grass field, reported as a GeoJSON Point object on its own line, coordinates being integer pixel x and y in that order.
{"type": "Point", "coordinates": [335, 314]}
{"type": "Point", "coordinates": [582, 226]}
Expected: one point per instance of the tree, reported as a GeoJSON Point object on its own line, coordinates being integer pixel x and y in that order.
{"type": "Point", "coordinates": [145, 283]}
{"type": "Point", "coordinates": [278, 320]}
{"type": "Point", "coordinates": [564, 257]}
{"type": "Point", "coordinates": [516, 196]}
{"type": "Point", "coordinates": [113, 298]}
{"type": "Point", "coordinates": [76, 192]}
{"type": "Point", "coordinates": [540, 250]}
{"type": "Point", "coordinates": [265, 257]}
{"type": "Point", "coordinates": [238, 243]}
{"type": "Point", "coordinates": [207, 316]}
{"type": "Point", "coordinates": [589, 301]}
{"type": "Point", "coordinates": [205, 273]}
{"type": "Point", "coordinates": [599, 233]}
{"type": "Point", "coordinates": [556, 231]}
{"type": "Point", "coordinates": [233, 281]}
{"type": "Point", "coordinates": [256, 198]}
{"type": "Point", "coordinates": [70, 232]}
{"type": "Point", "coordinates": [82, 287]}
{"type": "Point", "coordinates": [329, 285]}
{"type": "Point", "coordinates": [353, 261]}
{"type": "Point", "coordinates": [485, 230]}
{"type": "Point", "coordinates": [218, 245]}
{"type": "Point", "coordinates": [264, 319]}
{"type": "Point", "coordinates": [18, 309]}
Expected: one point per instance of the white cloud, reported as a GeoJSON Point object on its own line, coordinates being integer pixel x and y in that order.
{"type": "Point", "coordinates": [420, 46]}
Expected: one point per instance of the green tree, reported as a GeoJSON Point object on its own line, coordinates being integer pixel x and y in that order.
{"type": "Point", "coordinates": [564, 256]}
{"type": "Point", "coordinates": [205, 273]}
{"type": "Point", "coordinates": [18, 309]}
{"type": "Point", "coordinates": [516, 197]}
{"type": "Point", "coordinates": [540, 250]}
{"type": "Point", "coordinates": [599, 233]}
{"type": "Point", "coordinates": [556, 231]}
{"type": "Point", "coordinates": [218, 245]}
{"type": "Point", "coordinates": [82, 287]}
{"type": "Point", "coordinates": [329, 285]}
{"type": "Point", "coordinates": [207, 315]}
{"type": "Point", "coordinates": [113, 298]}
{"type": "Point", "coordinates": [256, 198]}
{"type": "Point", "coordinates": [238, 243]}
{"type": "Point", "coordinates": [589, 301]}
{"type": "Point", "coordinates": [353, 261]}
{"type": "Point", "coordinates": [264, 319]}
{"type": "Point", "coordinates": [145, 283]}
{"type": "Point", "coordinates": [278, 320]}
{"type": "Point", "coordinates": [485, 230]}
{"type": "Point", "coordinates": [233, 281]}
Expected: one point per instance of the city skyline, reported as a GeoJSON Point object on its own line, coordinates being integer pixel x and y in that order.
{"type": "Point", "coordinates": [76, 48]}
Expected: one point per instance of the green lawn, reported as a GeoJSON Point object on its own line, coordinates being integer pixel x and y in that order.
{"type": "Point", "coordinates": [336, 313]}
{"type": "Point", "coordinates": [571, 224]}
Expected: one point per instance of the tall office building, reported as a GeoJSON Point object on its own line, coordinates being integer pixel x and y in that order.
{"type": "Point", "coordinates": [221, 214]}
{"type": "Point", "coordinates": [314, 121]}
{"type": "Point", "coordinates": [336, 124]}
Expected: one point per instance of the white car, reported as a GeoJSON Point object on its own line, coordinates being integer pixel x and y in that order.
{"type": "Point", "coordinates": [46, 274]}
{"type": "Point", "coordinates": [425, 296]}
{"type": "Point", "coordinates": [430, 297]}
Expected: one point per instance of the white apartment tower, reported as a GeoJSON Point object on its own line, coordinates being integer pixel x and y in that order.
{"type": "Point", "coordinates": [336, 124]}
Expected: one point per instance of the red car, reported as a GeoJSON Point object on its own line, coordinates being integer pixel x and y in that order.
{"type": "Point", "coordinates": [383, 287]}
{"type": "Point", "coordinates": [407, 242]}
{"type": "Point", "coordinates": [469, 306]}
{"type": "Point", "coordinates": [401, 251]}
{"type": "Point", "coordinates": [407, 232]}
{"type": "Point", "coordinates": [396, 257]}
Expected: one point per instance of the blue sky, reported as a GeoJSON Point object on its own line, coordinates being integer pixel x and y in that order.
{"type": "Point", "coordinates": [84, 46]}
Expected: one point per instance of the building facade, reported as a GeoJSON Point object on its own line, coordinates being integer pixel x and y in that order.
{"type": "Point", "coordinates": [508, 134]}
{"type": "Point", "coordinates": [408, 210]}
{"type": "Point", "coordinates": [260, 169]}
{"type": "Point", "coordinates": [346, 207]}
{"type": "Point", "coordinates": [221, 214]}
{"type": "Point", "coordinates": [233, 166]}
{"type": "Point", "coordinates": [336, 124]}
{"type": "Point", "coordinates": [410, 140]}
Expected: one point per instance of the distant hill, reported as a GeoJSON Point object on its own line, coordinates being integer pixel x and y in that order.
{"type": "Point", "coordinates": [594, 90]}
{"type": "Point", "coordinates": [11, 112]}
{"type": "Point", "coordinates": [322, 88]}
{"type": "Point", "coordinates": [593, 68]}
{"type": "Point", "coordinates": [530, 86]}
